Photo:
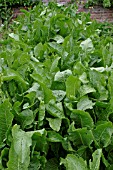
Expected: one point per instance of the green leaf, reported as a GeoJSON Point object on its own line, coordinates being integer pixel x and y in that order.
{"type": "Point", "coordinates": [72, 162]}
{"type": "Point", "coordinates": [51, 164]}
{"type": "Point", "coordinates": [102, 104]}
{"type": "Point", "coordinates": [82, 151]}
{"type": "Point", "coordinates": [87, 45]}
{"type": "Point", "coordinates": [31, 97]}
{"type": "Point", "coordinates": [83, 78]}
{"type": "Point", "coordinates": [110, 83]}
{"type": "Point", "coordinates": [58, 86]}
{"type": "Point", "coordinates": [6, 118]}
{"type": "Point", "coordinates": [39, 50]}
{"type": "Point", "coordinates": [54, 136]}
{"type": "Point", "coordinates": [19, 153]}
{"type": "Point", "coordinates": [55, 47]}
{"type": "Point", "coordinates": [38, 77]}
{"type": "Point", "coordinates": [62, 76]}
{"type": "Point", "coordinates": [3, 156]}
{"type": "Point", "coordinates": [34, 88]}
{"type": "Point", "coordinates": [80, 70]}
{"type": "Point", "coordinates": [55, 124]}
{"type": "Point", "coordinates": [59, 94]}
{"type": "Point", "coordinates": [39, 138]}
{"type": "Point", "coordinates": [105, 161]}
{"type": "Point", "coordinates": [95, 164]}
{"type": "Point", "coordinates": [99, 69]}
{"type": "Point", "coordinates": [41, 114]}
{"type": "Point", "coordinates": [66, 144]}
{"type": "Point", "coordinates": [59, 39]}
{"type": "Point", "coordinates": [55, 109]}
{"type": "Point", "coordinates": [103, 133]}
{"type": "Point", "coordinates": [98, 80]}
{"type": "Point", "coordinates": [106, 56]}
{"type": "Point", "coordinates": [80, 136]}
{"type": "Point", "coordinates": [83, 118]}
{"type": "Point", "coordinates": [22, 58]}
{"type": "Point", "coordinates": [72, 86]}
{"type": "Point", "coordinates": [54, 65]}
{"type": "Point", "coordinates": [14, 36]}
{"type": "Point", "coordinates": [37, 162]}
{"type": "Point", "coordinates": [26, 118]}
{"type": "Point", "coordinates": [86, 89]}
{"type": "Point", "coordinates": [48, 95]}
{"type": "Point", "coordinates": [14, 75]}
{"type": "Point", "coordinates": [85, 103]}
{"type": "Point", "coordinates": [111, 167]}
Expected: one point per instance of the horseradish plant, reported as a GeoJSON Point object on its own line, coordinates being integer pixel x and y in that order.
{"type": "Point", "coordinates": [105, 3]}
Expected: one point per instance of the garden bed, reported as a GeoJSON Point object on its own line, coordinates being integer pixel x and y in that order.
{"type": "Point", "coordinates": [56, 91]}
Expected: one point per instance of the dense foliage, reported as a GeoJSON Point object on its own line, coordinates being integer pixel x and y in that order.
{"type": "Point", "coordinates": [18, 2]}
{"type": "Point", "coordinates": [56, 92]}
{"type": "Point", "coordinates": [105, 3]}
{"type": "Point", "coordinates": [7, 5]}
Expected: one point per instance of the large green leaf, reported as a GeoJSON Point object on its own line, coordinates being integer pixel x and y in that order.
{"type": "Point", "coordinates": [106, 56]}
{"type": "Point", "coordinates": [3, 155]}
{"type": "Point", "coordinates": [73, 162]}
{"type": "Point", "coordinates": [10, 74]}
{"type": "Point", "coordinates": [19, 153]}
{"type": "Point", "coordinates": [55, 109]}
{"type": "Point", "coordinates": [80, 70]}
{"type": "Point", "coordinates": [26, 118]}
{"type": "Point", "coordinates": [39, 141]}
{"type": "Point", "coordinates": [55, 47]}
{"type": "Point", "coordinates": [110, 84]}
{"type": "Point", "coordinates": [37, 162]}
{"type": "Point", "coordinates": [83, 76]}
{"type": "Point", "coordinates": [54, 65]}
{"type": "Point", "coordinates": [48, 95]}
{"type": "Point", "coordinates": [14, 36]}
{"type": "Point", "coordinates": [72, 86]}
{"type": "Point", "coordinates": [59, 94]}
{"type": "Point", "coordinates": [95, 164]}
{"type": "Point", "coordinates": [39, 50]}
{"type": "Point", "coordinates": [41, 113]}
{"type": "Point", "coordinates": [85, 103]}
{"type": "Point", "coordinates": [62, 76]}
{"type": "Point", "coordinates": [34, 88]}
{"type": "Point", "coordinates": [103, 133]}
{"type": "Point", "coordinates": [80, 136]}
{"type": "Point", "coordinates": [98, 80]}
{"type": "Point", "coordinates": [59, 39]}
{"type": "Point", "coordinates": [55, 124]}
{"type": "Point", "coordinates": [83, 118]}
{"type": "Point", "coordinates": [86, 89]}
{"type": "Point", "coordinates": [54, 136]}
{"type": "Point", "coordinates": [87, 45]}
{"type": "Point", "coordinates": [6, 118]}
{"type": "Point", "coordinates": [21, 58]}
